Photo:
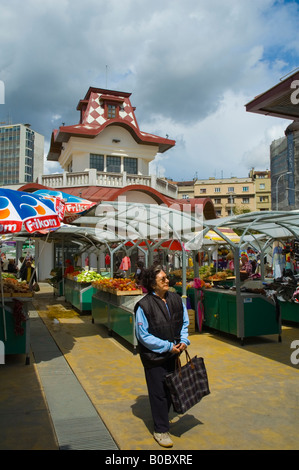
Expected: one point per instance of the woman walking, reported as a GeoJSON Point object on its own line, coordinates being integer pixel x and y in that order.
{"type": "Point", "coordinates": [162, 333]}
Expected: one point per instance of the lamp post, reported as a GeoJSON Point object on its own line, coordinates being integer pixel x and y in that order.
{"type": "Point", "coordinates": [280, 176]}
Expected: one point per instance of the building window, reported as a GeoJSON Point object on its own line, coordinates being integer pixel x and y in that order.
{"type": "Point", "coordinates": [218, 213]}
{"type": "Point", "coordinates": [96, 161]}
{"type": "Point", "coordinates": [245, 189]}
{"type": "Point", "coordinates": [245, 200]}
{"type": "Point", "coordinates": [262, 185]}
{"type": "Point", "coordinates": [113, 164]}
{"type": "Point", "coordinates": [217, 190]}
{"type": "Point", "coordinates": [202, 191]}
{"type": "Point", "coordinates": [217, 200]}
{"type": "Point", "coordinates": [111, 111]}
{"type": "Point", "coordinates": [264, 199]}
{"type": "Point", "coordinates": [130, 165]}
{"type": "Point", "coordinates": [231, 189]}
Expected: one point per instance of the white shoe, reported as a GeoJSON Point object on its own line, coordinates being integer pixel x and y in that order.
{"type": "Point", "coordinates": [163, 439]}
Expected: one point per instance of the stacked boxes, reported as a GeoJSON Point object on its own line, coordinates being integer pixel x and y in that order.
{"type": "Point", "coordinates": [191, 327]}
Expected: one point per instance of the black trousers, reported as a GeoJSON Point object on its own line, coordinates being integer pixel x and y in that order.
{"type": "Point", "coordinates": [159, 396]}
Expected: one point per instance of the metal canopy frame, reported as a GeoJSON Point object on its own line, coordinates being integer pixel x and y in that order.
{"type": "Point", "coordinates": [115, 223]}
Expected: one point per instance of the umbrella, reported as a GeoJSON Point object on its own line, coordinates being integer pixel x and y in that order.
{"type": "Point", "coordinates": [74, 206]}
{"type": "Point", "coordinates": [20, 210]}
{"type": "Point", "coordinates": [172, 245]}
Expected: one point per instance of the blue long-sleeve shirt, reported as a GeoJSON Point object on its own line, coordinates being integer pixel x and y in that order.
{"type": "Point", "coordinates": [153, 343]}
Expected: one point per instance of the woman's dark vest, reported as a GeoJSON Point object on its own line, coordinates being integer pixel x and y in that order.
{"type": "Point", "coordinates": [164, 323]}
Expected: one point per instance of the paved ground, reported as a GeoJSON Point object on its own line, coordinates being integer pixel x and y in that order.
{"type": "Point", "coordinates": [85, 390]}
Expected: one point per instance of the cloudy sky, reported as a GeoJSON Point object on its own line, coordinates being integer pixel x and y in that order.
{"type": "Point", "coordinates": [190, 65]}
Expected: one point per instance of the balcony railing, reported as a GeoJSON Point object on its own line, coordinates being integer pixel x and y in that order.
{"type": "Point", "coordinates": [93, 177]}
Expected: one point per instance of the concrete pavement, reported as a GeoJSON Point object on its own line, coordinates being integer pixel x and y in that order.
{"type": "Point", "coordinates": [254, 400]}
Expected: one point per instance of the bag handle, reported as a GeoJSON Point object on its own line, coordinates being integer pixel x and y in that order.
{"type": "Point", "coordinates": [178, 364]}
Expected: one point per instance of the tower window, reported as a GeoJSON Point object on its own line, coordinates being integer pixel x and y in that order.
{"type": "Point", "coordinates": [96, 161]}
{"type": "Point", "coordinates": [130, 165]}
{"type": "Point", "coordinates": [113, 164]}
{"type": "Point", "coordinates": [111, 111]}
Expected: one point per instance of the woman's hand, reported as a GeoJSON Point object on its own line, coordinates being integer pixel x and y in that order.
{"type": "Point", "coordinates": [178, 348]}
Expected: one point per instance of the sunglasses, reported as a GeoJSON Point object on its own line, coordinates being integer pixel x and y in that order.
{"type": "Point", "coordinates": [163, 279]}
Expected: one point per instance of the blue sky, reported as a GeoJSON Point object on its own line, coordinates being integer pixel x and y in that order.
{"type": "Point", "coordinates": [191, 67]}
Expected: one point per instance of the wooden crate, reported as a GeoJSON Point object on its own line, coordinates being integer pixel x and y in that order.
{"type": "Point", "coordinates": [126, 292]}
{"type": "Point", "coordinates": [191, 327]}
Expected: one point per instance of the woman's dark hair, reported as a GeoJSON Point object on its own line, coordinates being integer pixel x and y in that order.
{"type": "Point", "coordinates": [149, 277]}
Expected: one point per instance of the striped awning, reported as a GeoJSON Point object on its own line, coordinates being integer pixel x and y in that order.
{"type": "Point", "coordinates": [227, 232]}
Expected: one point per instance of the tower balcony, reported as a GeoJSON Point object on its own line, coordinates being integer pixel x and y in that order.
{"type": "Point", "coordinates": [93, 177]}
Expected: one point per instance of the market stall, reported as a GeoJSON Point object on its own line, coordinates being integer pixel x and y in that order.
{"type": "Point", "coordinates": [17, 296]}
{"type": "Point", "coordinates": [275, 226]}
{"type": "Point", "coordinates": [257, 315]}
{"type": "Point", "coordinates": [79, 289]}
{"type": "Point", "coordinates": [151, 226]}
{"type": "Point", "coordinates": [113, 306]}
{"type": "Point", "coordinates": [17, 326]}
{"type": "Point", "coordinates": [31, 213]}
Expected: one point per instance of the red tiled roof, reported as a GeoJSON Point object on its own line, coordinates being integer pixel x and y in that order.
{"type": "Point", "coordinates": [101, 193]}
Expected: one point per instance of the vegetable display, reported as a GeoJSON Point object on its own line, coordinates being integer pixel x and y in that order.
{"type": "Point", "coordinates": [116, 286]}
{"type": "Point", "coordinates": [11, 287]}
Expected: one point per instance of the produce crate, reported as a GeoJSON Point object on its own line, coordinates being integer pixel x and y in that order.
{"type": "Point", "coordinates": [191, 327]}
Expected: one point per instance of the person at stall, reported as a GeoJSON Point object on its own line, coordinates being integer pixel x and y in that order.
{"type": "Point", "coordinates": [4, 264]}
{"type": "Point", "coordinates": [28, 273]}
{"type": "Point", "coordinates": [139, 272]}
{"type": "Point", "coordinates": [107, 260]}
{"type": "Point", "coordinates": [245, 265]}
{"type": "Point", "coordinates": [69, 267]}
{"type": "Point", "coordinates": [12, 268]}
{"type": "Point", "coordinates": [125, 263]}
{"type": "Point", "coordinates": [162, 333]}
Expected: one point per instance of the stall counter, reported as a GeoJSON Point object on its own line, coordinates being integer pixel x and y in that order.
{"type": "Point", "coordinates": [116, 312]}
{"type": "Point", "coordinates": [17, 327]}
{"type": "Point", "coordinates": [257, 315]}
{"type": "Point", "coordinates": [79, 294]}
{"type": "Point", "coordinates": [289, 311]}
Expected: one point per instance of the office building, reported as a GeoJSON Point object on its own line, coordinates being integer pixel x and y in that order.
{"type": "Point", "coordinates": [21, 154]}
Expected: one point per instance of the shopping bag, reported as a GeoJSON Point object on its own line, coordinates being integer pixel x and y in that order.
{"type": "Point", "coordinates": [188, 384]}
{"type": "Point", "coordinates": [35, 287]}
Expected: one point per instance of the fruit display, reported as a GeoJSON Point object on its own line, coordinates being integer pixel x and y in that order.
{"type": "Point", "coordinates": [87, 276]}
{"type": "Point", "coordinates": [177, 273]}
{"type": "Point", "coordinates": [84, 276]}
{"type": "Point", "coordinates": [12, 287]}
{"type": "Point", "coordinates": [220, 276]}
{"type": "Point", "coordinates": [117, 286]}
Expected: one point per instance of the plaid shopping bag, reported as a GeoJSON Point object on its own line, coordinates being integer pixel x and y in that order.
{"type": "Point", "coordinates": [188, 384]}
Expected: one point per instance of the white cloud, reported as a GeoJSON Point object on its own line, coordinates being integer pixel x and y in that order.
{"type": "Point", "coordinates": [228, 142]}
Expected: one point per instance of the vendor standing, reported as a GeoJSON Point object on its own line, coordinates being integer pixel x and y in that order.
{"type": "Point", "coordinates": [245, 265]}
{"type": "Point", "coordinates": [69, 267]}
{"type": "Point", "coordinates": [162, 333]}
{"type": "Point", "coordinates": [29, 274]}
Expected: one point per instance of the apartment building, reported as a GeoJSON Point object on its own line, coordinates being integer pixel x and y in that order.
{"type": "Point", "coordinates": [262, 182]}
{"type": "Point", "coordinates": [232, 195]}
{"type": "Point", "coordinates": [21, 154]}
{"type": "Point", "coordinates": [229, 195]}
